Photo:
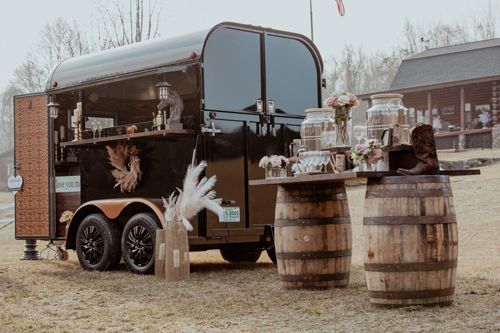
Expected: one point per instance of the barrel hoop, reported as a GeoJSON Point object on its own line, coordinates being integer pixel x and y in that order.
{"type": "Point", "coordinates": [441, 192]}
{"type": "Point", "coordinates": [315, 277]}
{"type": "Point", "coordinates": [312, 198]}
{"type": "Point", "coordinates": [411, 267]}
{"type": "Point", "coordinates": [314, 255]}
{"type": "Point", "coordinates": [416, 294]}
{"type": "Point", "coordinates": [410, 179]}
{"type": "Point", "coordinates": [312, 222]}
{"type": "Point", "coordinates": [396, 220]}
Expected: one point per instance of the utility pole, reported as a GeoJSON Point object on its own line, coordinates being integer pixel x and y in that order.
{"type": "Point", "coordinates": [311, 19]}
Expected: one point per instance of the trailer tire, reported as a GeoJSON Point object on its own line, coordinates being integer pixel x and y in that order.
{"type": "Point", "coordinates": [98, 243]}
{"type": "Point", "coordinates": [138, 243]}
{"type": "Point", "coordinates": [240, 254]}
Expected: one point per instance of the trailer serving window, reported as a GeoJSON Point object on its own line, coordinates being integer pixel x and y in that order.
{"type": "Point", "coordinates": [243, 66]}
{"type": "Point", "coordinates": [232, 70]}
{"type": "Point", "coordinates": [292, 76]}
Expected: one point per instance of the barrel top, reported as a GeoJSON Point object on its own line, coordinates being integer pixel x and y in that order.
{"type": "Point", "coordinates": [345, 176]}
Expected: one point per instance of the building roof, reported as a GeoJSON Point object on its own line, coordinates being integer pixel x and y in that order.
{"type": "Point", "coordinates": [449, 64]}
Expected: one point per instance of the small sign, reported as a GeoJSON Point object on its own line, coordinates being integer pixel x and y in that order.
{"type": "Point", "coordinates": [15, 184]}
{"type": "Point", "coordinates": [67, 184]}
{"type": "Point", "coordinates": [230, 214]}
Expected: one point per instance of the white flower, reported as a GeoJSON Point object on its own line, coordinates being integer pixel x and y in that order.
{"type": "Point", "coordinates": [343, 100]}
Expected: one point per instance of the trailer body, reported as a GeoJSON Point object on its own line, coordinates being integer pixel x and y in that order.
{"type": "Point", "coordinates": [244, 90]}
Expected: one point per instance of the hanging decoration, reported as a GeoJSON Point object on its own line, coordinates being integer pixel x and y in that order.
{"type": "Point", "coordinates": [127, 173]}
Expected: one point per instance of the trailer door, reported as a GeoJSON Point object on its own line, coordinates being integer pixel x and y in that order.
{"type": "Point", "coordinates": [31, 160]}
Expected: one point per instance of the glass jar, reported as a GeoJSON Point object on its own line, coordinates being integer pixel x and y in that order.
{"type": "Point", "coordinates": [388, 114]}
{"type": "Point", "coordinates": [318, 130]}
{"type": "Point", "coordinates": [275, 172]}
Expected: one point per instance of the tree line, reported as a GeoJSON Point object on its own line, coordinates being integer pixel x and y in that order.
{"type": "Point", "coordinates": [359, 71]}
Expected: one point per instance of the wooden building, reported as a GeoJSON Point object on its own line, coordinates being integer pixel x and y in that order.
{"type": "Point", "coordinates": [454, 88]}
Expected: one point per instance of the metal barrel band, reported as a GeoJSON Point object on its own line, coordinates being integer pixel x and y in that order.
{"type": "Point", "coordinates": [410, 193]}
{"type": "Point", "coordinates": [315, 277]}
{"type": "Point", "coordinates": [411, 267]}
{"type": "Point", "coordinates": [410, 180]}
{"type": "Point", "coordinates": [416, 294]}
{"type": "Point", "coordinates": [315, 198]}
{"type": "Point", "coordinates": [314, 255]}
{"type": "Point", "coordinates": [400, 220]}
{"type": "Point", "coordinates": [312, 222]}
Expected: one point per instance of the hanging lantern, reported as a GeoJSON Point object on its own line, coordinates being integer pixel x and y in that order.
{"type": "Point", "coordinates": [53, 108]}
{"type": "Point", "coordinates": [163, 90]}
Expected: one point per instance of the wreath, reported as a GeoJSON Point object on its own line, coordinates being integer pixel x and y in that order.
{"type": "Point", "coordinates": [127, 164]}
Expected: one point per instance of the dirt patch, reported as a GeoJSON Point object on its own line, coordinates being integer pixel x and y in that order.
{"type": "Point", "coordinates": [51, 296]}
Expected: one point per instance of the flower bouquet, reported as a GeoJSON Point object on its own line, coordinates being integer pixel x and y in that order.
{"type": "Point", "coordinates": [367, 155]}
{"type": "Point", "coordinates": [342, 104]}
{"type": "Point", "coordinates": [275, 165]}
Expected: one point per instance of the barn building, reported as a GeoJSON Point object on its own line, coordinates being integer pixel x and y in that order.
{"type": "Point", "coordinates": [456, 89]}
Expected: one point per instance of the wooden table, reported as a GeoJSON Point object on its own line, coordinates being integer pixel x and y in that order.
{"type": "Point", "coordinates": [313, 234]}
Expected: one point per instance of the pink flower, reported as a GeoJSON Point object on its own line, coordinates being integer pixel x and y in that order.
{"type": "Point", "coordinates": [375, 155]}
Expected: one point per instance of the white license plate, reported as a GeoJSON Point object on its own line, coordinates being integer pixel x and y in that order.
{"type": "Point", "coordinates": [230, 214]}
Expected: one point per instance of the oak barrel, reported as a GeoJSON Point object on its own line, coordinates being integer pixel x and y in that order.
{"type": "Point", "coordinates": [313, 236]}
{"type": "Point", "coordinates": [411, 242]}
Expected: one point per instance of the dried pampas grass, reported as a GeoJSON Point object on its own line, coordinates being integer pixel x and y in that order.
{"type": "Point", "coordinates": [195, 196]}
{"type": "Point", "coordinates": [127, 175]}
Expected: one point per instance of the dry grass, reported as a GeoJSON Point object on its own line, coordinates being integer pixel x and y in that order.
{"type": "Point", "coordinates": [50, 296]}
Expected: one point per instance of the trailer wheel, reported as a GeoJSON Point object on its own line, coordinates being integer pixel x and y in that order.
{"type": "Point", "coordinates": [138, 243]}
{"type": "Point", "coordinates": [98, 243]}
{"type": "Point", "coordinates": [240, 254]}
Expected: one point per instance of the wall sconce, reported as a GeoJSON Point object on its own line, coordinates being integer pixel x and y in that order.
{"type": "Point", "coordinates": [53, 108]}
{"type": "Point", "coordinates": [163, 89]}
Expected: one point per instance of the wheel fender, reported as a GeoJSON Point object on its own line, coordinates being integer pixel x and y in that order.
{"type": "Point", "coordinates": [115, 210]}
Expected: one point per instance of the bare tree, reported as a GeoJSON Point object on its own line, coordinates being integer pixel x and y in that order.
{"type": "Point", "coordinates": [485, 26]}
{"type": "Point", "coordinates": [119, 25]}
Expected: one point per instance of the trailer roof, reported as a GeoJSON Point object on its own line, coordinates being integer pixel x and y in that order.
{"type": "Point", "coordinates": [139, 57]}
{"type": "Point", "coordinates": [126, 59]}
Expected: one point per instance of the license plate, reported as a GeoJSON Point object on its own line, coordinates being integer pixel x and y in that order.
{"type": "Point", "coordinates": [230, 214]}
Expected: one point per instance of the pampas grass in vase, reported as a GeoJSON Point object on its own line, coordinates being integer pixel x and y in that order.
{"type": "Point", "coordinates": [195, 195]}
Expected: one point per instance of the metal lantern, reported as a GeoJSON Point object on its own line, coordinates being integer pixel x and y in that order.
{"type": "Point", "coordinates": [163, 89]}
{"type": "Point", "coordinates": [53, 109]}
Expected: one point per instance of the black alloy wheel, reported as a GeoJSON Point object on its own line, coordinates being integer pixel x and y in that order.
{"type": "Point", "coordinates": [98, 243]}
{"type": "Point", "coordinates": [138, 243]}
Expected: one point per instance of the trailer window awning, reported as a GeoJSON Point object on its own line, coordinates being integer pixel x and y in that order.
{"type": "Point", "coordinates": [126, 59]}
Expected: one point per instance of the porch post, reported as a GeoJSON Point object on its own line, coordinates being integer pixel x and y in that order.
{"type": "Point", "coordinates": [462, 109]}
{"type": "Point", "coordinates": [428, 115]}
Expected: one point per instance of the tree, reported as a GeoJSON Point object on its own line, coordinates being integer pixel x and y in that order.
{"type": "Point", "coordinates": [120, 26]}
{"type": "Point", "coordinates": [63, 39]}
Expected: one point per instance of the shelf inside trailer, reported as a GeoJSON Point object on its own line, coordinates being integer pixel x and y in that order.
{"type": "Point", "coordinates": [121, 137]}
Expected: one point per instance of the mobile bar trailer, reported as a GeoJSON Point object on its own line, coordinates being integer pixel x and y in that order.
{"type": "Point", "coordinates": [243, 92]}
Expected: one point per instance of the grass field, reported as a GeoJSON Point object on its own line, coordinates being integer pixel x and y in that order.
{"type": "Point", "coordinates": [54, 296]}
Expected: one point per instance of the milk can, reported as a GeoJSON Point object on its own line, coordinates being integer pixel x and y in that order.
{"type": "Point", "coordinates": [388, 118]}
{"type": "Point", "coordinates": [318, 129]}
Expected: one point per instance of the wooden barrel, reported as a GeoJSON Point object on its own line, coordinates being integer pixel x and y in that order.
{"type": "Point", "coordinates": [313, 236]}
{"type": "Point", "coordinates": [411, 243]}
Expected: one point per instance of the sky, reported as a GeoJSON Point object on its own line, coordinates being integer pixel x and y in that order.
{"type": "Point", "coordinates": [371, 24]}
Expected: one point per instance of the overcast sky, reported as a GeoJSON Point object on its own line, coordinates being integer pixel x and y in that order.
{"type": "Point", "coordinates": [372, 24]}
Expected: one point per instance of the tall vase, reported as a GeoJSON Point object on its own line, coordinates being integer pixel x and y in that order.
{"type": "Point", "coordinates": [342, 116]}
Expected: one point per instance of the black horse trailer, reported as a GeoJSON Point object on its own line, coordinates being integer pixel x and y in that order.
{"type": "Point", "coordinates": [243, 90]}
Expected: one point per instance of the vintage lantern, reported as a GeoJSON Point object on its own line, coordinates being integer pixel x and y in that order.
{"type": "Point", "coordinates": [163, 89]}
{"type": "Point", "coordinates": [53, 108]}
